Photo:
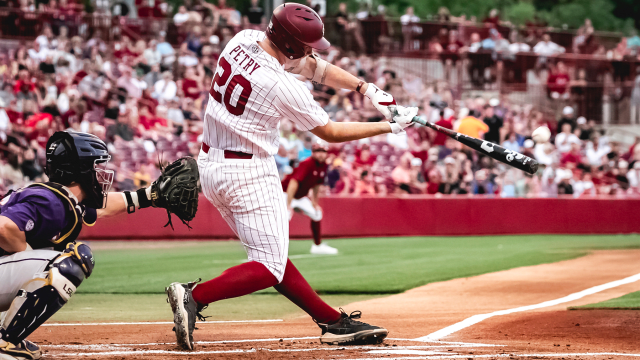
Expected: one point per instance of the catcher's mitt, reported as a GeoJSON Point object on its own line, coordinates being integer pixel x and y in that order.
{"type": "Point", "coordinates": [177, 190]}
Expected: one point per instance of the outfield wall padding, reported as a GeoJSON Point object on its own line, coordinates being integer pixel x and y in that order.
{"type": "Point", "coordinates": [401, 216]}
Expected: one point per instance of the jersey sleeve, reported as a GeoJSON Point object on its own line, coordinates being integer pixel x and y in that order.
{"type": "Point", "coordinates": [295, 102]}
{"type": "Point", "coordinates": [39, 217]}
{"type": "Point", "coordinates": [89, 216]}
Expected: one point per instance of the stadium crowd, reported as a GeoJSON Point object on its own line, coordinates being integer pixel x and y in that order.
{"type": "Point", "coordinates": [146, 99]}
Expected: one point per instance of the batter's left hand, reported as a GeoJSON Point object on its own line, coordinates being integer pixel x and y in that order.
{"type": "Point", "coordinates": [380, 99]}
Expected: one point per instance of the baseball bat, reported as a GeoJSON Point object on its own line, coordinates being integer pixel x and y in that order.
{"type": "Point", "coordinates": [509, 157]}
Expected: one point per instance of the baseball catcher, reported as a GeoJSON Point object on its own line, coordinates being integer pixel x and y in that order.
{"type": "Point", "coordinates": [41, 263]}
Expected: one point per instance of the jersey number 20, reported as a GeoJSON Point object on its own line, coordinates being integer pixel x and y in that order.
{"type": "Point", "coordinates": [221, 80]}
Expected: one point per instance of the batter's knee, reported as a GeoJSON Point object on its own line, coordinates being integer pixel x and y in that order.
{"type": "Point", "coordinates": [316, 216]}
{"type": "Point", "coordinates": [275, 267]}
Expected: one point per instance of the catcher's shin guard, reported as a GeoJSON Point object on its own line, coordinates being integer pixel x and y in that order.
{"type": "Point", "coordinates": [43, 296]}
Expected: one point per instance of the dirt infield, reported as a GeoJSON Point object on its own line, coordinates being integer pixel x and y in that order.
{"type": "Point", "coordinates": [439, 320]}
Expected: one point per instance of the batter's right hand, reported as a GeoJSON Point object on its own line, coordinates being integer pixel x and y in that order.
{"type": "Point", "coordinates": [402, 117]}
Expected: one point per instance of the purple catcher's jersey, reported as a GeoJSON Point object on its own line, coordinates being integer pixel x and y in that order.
{"type": "Point", "coordinates": [41, 215]}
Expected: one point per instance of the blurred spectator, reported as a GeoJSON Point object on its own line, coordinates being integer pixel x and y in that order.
{"type": "Point", "coordinates": [511, 142]}
{"type": "Point", "coordinates": [558, 82]}
{"type": "Point", "coordinates": [191, 83]}
{"type": "Point", "coordinates": [403, 176]}
{"type": "Point", "coordinates": [482, 185]}
{"type": "Point", "coordinates": [342, 21]}
{"type": "Point", "coordinates": [166, 51]}
{"type": "Point", "coordinates": [493, 121]}
{"type": "Point", "coordinates": [517, 45]}
{"type": "Point", "coordinates": [566, 138]}
{"type": "Point", "coordinates": [567, 118]}
{"type": "Point", "coordinates": [153, 76]}
{"type": "Point", "coordinates": [151, 54]}
{"type": "Point", "coordinates": [47, 41]}
{"type": "Point", "coordinates": [564, 185]}
{"type": "Point", "coordinates": [452, 177]}
{"type": "Point", "coordinates": [596, 153]}
{"type": "Point", "coordinates": [165, 89]}
{"type": "Point", "coordinates": [635, 100]}
{"type": "Point", "coordinates": [472, 126]}
{"type": "Point", "coordinates": [121, 130]}
{"type": "Point", "coordinates": [411, 29]}
{"type": "Point", "coordinates": [546, 47]}
{"type": "Point", "coordinates": [590, 44]}
{"type": "Point", "coordinates": [364, 158]}
{"type": "Point", "coordinates": [254, 17]}
{"type": "Point", "coordinates": [130, 84]}
{"type": "Point", "coordinates": [181, 17]}
{"type": "Point", "coordinates": [364, 184]}
{"type": "Point", "coordinates": [446, 121]}
{"type": "Point", "coordinates": [92, 85]}
{"type": "Point", "coordinates": [143, 101]}
{"type": "Point", "coordinates": [586, 128]}
{"type": "Point", "coordinates": [634, 177]}
{"type": "Point", "coordinates": [493, 19]}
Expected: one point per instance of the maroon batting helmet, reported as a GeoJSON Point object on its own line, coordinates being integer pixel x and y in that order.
{"type": "Point", "coordinates": [296, 29]}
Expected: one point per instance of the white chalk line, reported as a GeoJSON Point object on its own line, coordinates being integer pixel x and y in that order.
{"type": "Point", "coordinates": [471, 356]}
{"type": "Point", "coordinates": [480, 317]}
{"type": "Point", "coordinates": [165, 323]}
{"type": "Point", "coordinates": [440, 343]}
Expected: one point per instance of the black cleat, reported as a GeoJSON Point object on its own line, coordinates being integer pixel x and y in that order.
{"type": "Point", "coordinates": [349, 331]}
{"type": "Point", "coordinates": [185, 312]}
{"type": "Point", "coordinates": [24, 350]}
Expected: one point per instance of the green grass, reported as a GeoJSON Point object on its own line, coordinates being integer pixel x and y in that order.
{"type": "Point", "coordinates": [364, 266]}
{"type": "Point", "coordinates": [128, 283]}
{"type": "Point", "coordinates": [627, 302]}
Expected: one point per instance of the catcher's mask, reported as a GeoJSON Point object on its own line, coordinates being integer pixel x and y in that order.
{"type": "Point", "coordinates": [76, 157]}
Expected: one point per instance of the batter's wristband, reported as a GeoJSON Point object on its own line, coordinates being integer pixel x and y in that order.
{"type": "Point", "coordinates": [131, 207]}
{"type": "Point", "coordinates": [143, 200]}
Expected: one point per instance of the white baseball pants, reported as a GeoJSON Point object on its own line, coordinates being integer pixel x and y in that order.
{"type": "Point", "coordinates": [17, 269]}
{"type": "Point", "coordinates": [248, 194]}
{"type": "Point", "coordinates": [305, 206]}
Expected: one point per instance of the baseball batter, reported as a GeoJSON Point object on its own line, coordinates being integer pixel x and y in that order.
{"type": "Point", "coordinates": [253, 89]}
{"type": "Point", "coordinates": [41, 264]}
{"type": "Point", "coordinates": [309, 176]}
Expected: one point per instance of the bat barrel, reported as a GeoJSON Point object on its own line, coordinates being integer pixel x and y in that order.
{"type": "Point", "coordinates": [509, 157]}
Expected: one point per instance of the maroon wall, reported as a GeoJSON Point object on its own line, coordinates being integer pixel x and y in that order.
{"type": "Point", "coordinates": [373, 216]}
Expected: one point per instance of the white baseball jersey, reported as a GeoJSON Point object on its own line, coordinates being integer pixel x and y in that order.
{"type": "Point", "coordinates": [250, 93]}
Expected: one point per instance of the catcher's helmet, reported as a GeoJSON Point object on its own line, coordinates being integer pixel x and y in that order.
{"type": "Point", "coordinates": [81, 158]}
{"type": "Point", "coordinates": [296, 29]}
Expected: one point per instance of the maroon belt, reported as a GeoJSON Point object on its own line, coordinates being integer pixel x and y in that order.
{"type": "Point", "coordinates": [228, 154]}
